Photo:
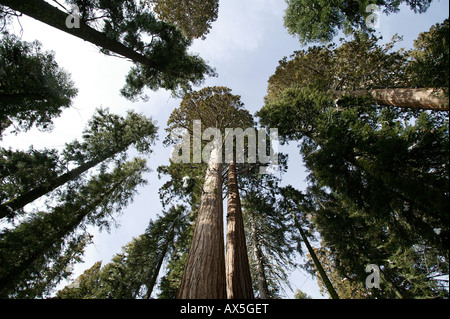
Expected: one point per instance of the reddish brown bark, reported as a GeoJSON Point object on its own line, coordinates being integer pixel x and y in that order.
{"type": "Point", "coordinates": [204, 273]}
{"type": "Point", "coordinates": [239, 282]}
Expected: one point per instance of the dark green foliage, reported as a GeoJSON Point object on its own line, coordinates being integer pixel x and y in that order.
{"type": "Point", "coordinates": [132, 273]}
{"type": "Point", "coordinates": [33, 88]}
{"type": "Point", "coordinates": [30, 250]}
{"type": "Point", "coordinates": [387, 169]}
{"type": "Point", "coordinates": [320, 20]}
{"type": "Point", "coordinates": [169, 65]}
{"type": "Point", "coordinates": [269, 232]}
{"type": "Point", "coordinates": [129, 29]}
{"type": "Point", "coordinates": [355, 240]}
{"type": "Point", "coordinates": [430, 58]}
{"type": "Point", "coordinates": [20, 171]}
{"type": "Point", "coordinates": [299, 206]}
{"type": "Point", "coordinates": [106, 138]}
{"type": "Point", "coordinates": [108, 133]}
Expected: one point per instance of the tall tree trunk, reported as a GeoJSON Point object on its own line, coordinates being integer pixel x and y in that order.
{"type": "Point", "coordinates": [416, 98]}
{"type": "Point", "coordinates": [239, 281]}
{"type": "Point", "coordinates": [316, 261]}
{"type": "Point", "coordinates": [204, 273]}
{"type": "Point", "coordinates": [168, 240]}
{"type": "Point", "coordinates": [48, 14]}
{"type": "Point", "coordinates": [8, 208]}
{"type": "Point", "coordinates": [155, 274]}
{"type": "Point", "coordinates": [262, 280]}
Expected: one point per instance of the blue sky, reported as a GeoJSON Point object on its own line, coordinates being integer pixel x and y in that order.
{"type": "Point", "coordinates": [244, 45]}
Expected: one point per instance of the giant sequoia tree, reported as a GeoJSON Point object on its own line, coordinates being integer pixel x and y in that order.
{"type": "Point", "coordinates": [162, 62]}
{"type": "Point", "coordinates": [215, 108]}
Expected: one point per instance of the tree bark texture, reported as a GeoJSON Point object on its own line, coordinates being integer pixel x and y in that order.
{"type": "Point", "coordinates": [416, 98]}
{"type": "Point", "coordinates": [204, 272]}
{"type": "Point", "coordinates": [48, 14]}
{"type": "Point", "coordinates": [239, 281]}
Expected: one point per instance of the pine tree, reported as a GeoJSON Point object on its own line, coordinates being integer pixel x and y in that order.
{"type": "Point", "coordinates": [353, 240]}
{"type": "Point", "coordinates": [30, 250]}
{"type": "Point", "coordinates": [320, 21]}
{"type": "Point", "coordinates": [33, 88]}
{"type": "Point", "coordinates": [384, 167]}
{"type": "Point", "coordinates": [268, 228]}
{"type": "Point", "coordinates": [20, 171]}
{"type": "Point", "coordinates": [132, 273]}
{"type": "Point", "coordinates": [184, 185]}
{"type": "Point", "coordinates": [106, 138]}
{"type": "Point", "coordinates": [294, 202]}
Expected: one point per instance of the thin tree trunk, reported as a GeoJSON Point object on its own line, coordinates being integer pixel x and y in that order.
{"type": "Point", "coordinates": [168, 241]}
{"type": "Point", "coordinates": [262, 281]}
{"type": "Point", "coordinates": [239, 281]}
{"type": "Point", "coordinates": [416, 98]}
{"type": "Point", "coordinates": [316, 261]}
{"type": "Point", "coordinates": [7, 209]}
{"type": "Point", "coordinates": [48, 14]}
{"type": "Point", "coordinates": [204, 272]}
{"type": "Point", "coordinates": [155, 274]}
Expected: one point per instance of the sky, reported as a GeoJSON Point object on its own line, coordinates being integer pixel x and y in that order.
{"type": "Point", "coordinates": [244, 46]}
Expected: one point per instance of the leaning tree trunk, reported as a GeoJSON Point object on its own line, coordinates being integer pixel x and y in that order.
{"type": "Point", "coordinates": [8, 209]}
{"type": "Point", "coordinates": [416, 98]}
{"type": "Point", "coordinates": [48, 14]}
{"type": "Point", "coordinates": [204, 272]}
{"type": "Point", "coordinates": [239, 281]}
{"type": "Point", "coordinates": [263, 288]}
{"type": "Point", "coordinates": [154, 275]}
{"type": "Point", "coordinates": [316, 261]}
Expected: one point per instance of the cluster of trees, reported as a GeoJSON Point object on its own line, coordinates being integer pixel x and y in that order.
{"type": "Point", "coordinates": [48, 198]}
{"type": "Point", "coordinates": [372, 127]}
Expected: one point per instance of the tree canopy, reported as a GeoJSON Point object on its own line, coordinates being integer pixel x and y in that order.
{"type": "Point", "coordinates": [370, 123]}
{"type": "Point", "coordinates": [320, 20]}
{"type": "Point", "coordinates": [193, 17]}
{"type": "Point", "coordinates": [33, 88]}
